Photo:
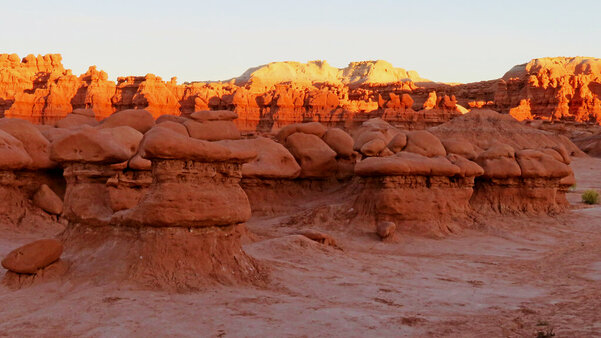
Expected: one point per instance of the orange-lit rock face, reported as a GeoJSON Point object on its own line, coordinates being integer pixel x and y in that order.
{"type": "Point", "coordinates": [554, 89]}
{"type": "Point", "coordinates": [41, 90]}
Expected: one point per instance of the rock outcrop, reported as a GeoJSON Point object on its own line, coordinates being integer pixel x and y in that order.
{"type": "Point", "coordinates": [525, 169]}
{"type": "Point", "coordinates": [559, 88]}
{"type": "Point", "coordinates": [41, 90]}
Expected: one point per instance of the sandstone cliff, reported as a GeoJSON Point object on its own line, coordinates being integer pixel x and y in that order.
{"type": "Point", "coordinates": [41, 90]}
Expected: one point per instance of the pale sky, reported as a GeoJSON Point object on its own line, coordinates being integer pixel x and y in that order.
{"type": "Point", "coordinates": [449, 41]}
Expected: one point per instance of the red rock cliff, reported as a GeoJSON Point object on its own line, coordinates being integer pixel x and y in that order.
{"type": "Point", "coordinates": [41, 90]}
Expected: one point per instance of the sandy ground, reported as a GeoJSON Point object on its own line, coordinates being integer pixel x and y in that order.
{"type": "Point", "coordinates": [512, 276]}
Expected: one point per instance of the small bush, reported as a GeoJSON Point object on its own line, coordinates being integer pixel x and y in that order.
{"type": "Point", "coordinates": [590, 197]}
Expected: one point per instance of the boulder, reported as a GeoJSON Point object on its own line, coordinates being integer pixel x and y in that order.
{"type": "Point", "coordinates": [170, 118]}
{"type": "Point", "coordinates": [273, 159]}
{"type": "Point", "coordinates": [406, 164]}
{"type": "Point", "coordinates": [535, 163]}
{"type": "Point", "coordinates": [53, 134]}
{"type": "Point", "coordinates": [499, 162]}
{"type": "Point", "coordinates": [373, 147]}
{"type": "Point", "coordinates": [385, 229]}
{"type": "Point", "coordinates": [176, 127]}
{"type": "Point", "coordinates": [466, 167]}
{"type": "Point", "coordinates": [33, 256]}
{"type": "Point", "coordinates": [339, 141]}
{"type": "Point", "coordinates": [164, 143]}
{"type": "Point", "coordinates": [91, 145]}
{"type": "Point", "coordinates": [214, 115]}
{"type": "Point", "coordinates": [74, 121]}
{"type": "Point", "coordinates": [372, 129]}
{"type": "Point", "coordinates": [368, 136]}
{"type": "Point", "coordinates": [313, 128]}
{"type": "Point", "coordinates": [139, 163]}
{"type": "Point", "coordinates": [36, 145]}
{"type": "Point", "coordinates": [315, 157]}
{"type": "Point", "coordinates": [424, 143]}
{"type": "Point", "coordinates": [398, 142]}
{"type": "Point", "coordinates": [460, 147]}
{"type": "Point", "coordinates": [12, 153]}
{"type": "Point", "coordinates": [48, 200]}
{"type": "Point", "coordinates": [139, 119]}
{"type": "Point", "coordinates": [212, 130]}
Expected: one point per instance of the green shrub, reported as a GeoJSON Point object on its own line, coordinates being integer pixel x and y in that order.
{"type": "Point", "coordinates": [590, 197]}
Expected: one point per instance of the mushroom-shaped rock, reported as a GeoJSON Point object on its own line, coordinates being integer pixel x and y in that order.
{"type": "Point", "coordinates": [214, 115]}
{"type": "Point", "coordinates": [315, 157]}
{"type": "Point", "coordinates": [48, 200]}
{"type": "Point", "coordinates": [36, 145]}
{"type": "Point", "coordinates": [339, 141]}
{"type": "Point", "coordinates": [74, 121]}
{"type": "Point", "coordinates": [398, 142]}
{"type": "Point", "coordinates": [196, 184]}
{"type": "Point", "coordinates": [12, 153]}
{"type": "Point", "coordinates": [424, 143]}
{"type": "Point", "coordinates": [499, 162]}
{"type": "Point", "coordinates": [373, 147]}
{"type": "Point", "coordinates": [33, 256]}
{"type": "Point", "coordinates": [273, 159]}
{"type": "Point", "coordinates": [139, 119]}
{"type": "Point", "coordinates": [460, 147]}
{"type": "Point", "coordinates": [91, 145]}
{"type": "Point", "coordinates": [534, 163]}
{"type": "Point", "coordinates": [313, 128]}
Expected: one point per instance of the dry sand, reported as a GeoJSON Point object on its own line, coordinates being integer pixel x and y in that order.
{"type": "Point", "coordinates": [509, 276]}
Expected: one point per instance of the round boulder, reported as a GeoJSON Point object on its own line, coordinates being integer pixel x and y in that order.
{"type": "Point", "coordinates": [33, 256]}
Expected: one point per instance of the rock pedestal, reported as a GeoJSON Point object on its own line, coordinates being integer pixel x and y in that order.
{"type": "Point", "coordinates": [178, 226]}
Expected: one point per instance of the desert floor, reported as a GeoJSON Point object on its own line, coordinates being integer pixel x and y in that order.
{"type": "Point", "coordinates": [507, 276]}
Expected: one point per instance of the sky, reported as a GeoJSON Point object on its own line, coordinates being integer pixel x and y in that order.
{"type": "Point", "coordinates": [447, 41]}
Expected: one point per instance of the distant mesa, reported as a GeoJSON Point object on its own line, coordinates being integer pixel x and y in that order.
{"type": "Point", "coordinates": [363, 72]}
